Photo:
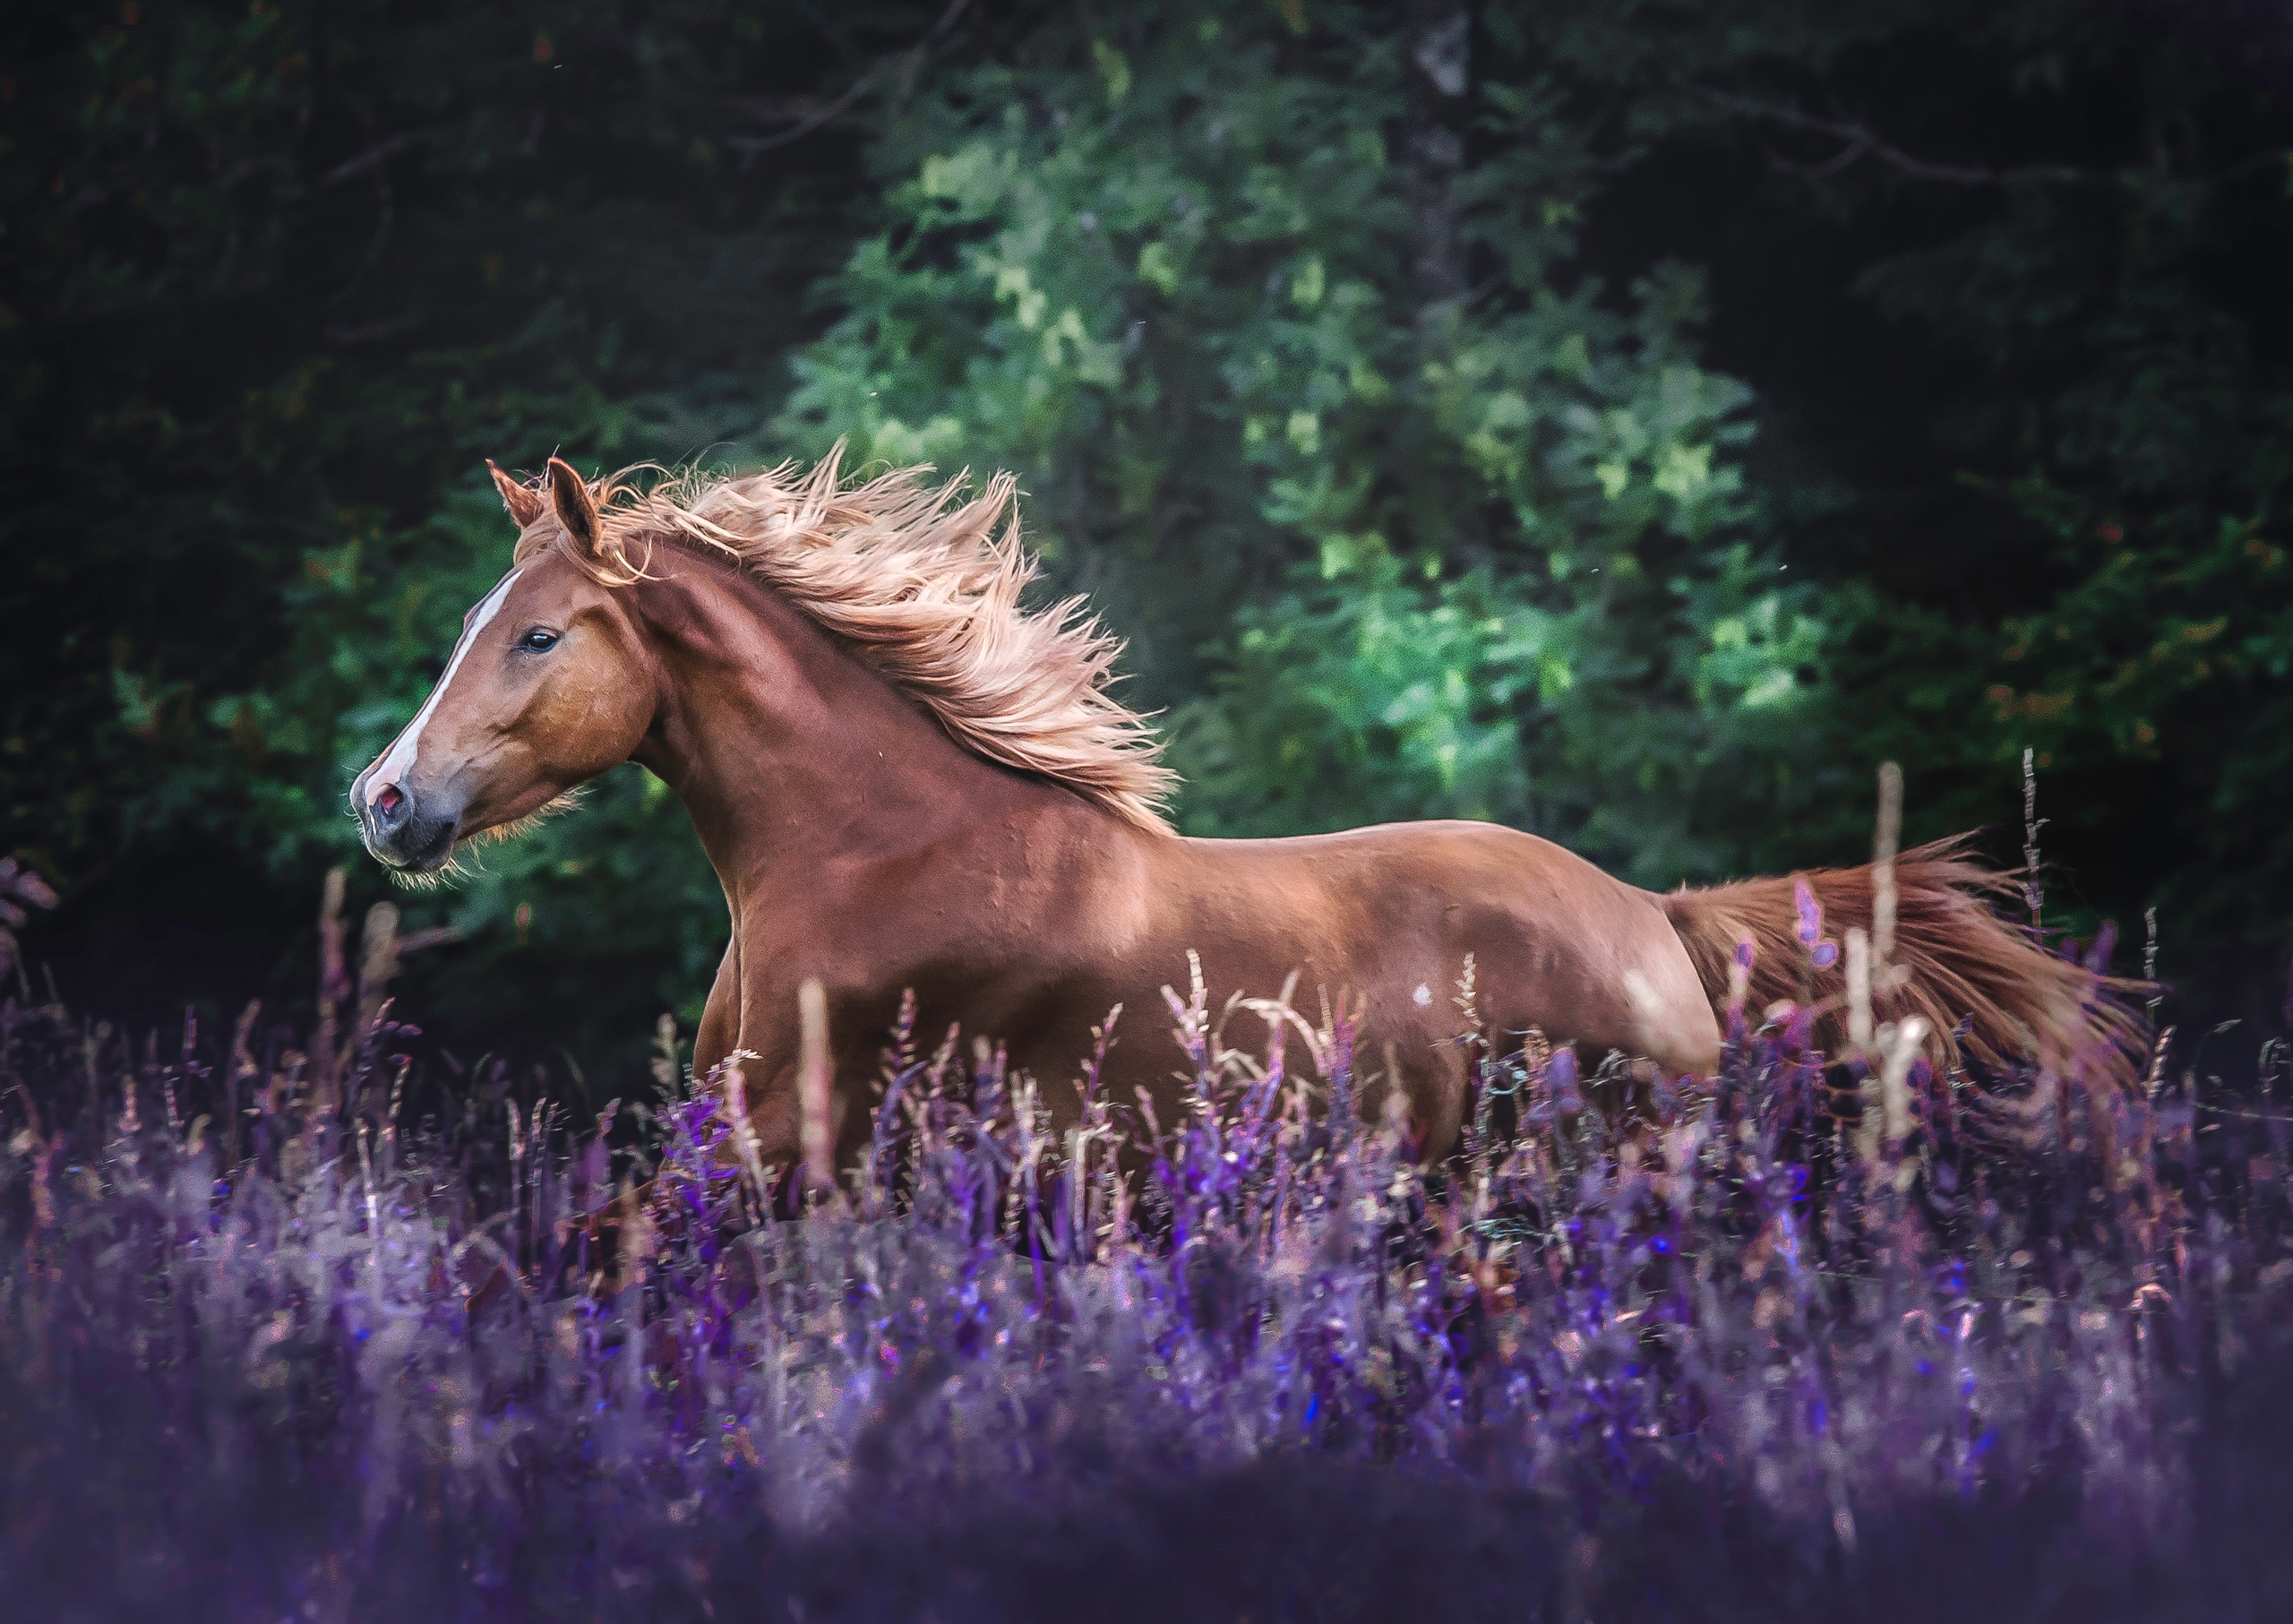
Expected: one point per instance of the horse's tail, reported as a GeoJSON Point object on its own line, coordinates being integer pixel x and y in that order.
{"type": "Point", "coordinates": [1954, 961]}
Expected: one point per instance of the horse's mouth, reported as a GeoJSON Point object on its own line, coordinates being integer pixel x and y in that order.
{"type": "Point", "coordinates": [428, 858]}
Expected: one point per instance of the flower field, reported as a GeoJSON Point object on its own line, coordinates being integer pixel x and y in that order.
{"type": "Point", "coordinates": [313, 1331]}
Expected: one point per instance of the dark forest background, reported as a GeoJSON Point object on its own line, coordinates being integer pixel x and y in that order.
{"type": "Point", "coordinates": [1631, 420]}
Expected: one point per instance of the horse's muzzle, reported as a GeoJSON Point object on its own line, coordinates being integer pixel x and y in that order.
{"type": "Point", "coordinates": [404, 832]}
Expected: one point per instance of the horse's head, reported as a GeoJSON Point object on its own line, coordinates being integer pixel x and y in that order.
{"type": "Point", "coordinates": [549, 686]}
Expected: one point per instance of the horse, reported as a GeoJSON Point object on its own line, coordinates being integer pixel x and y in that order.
{"type": "Point", "coordinates": [911, 783]}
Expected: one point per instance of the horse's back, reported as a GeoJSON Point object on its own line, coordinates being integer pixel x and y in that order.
{"type": "Point", "coordinates": [1456, 873]}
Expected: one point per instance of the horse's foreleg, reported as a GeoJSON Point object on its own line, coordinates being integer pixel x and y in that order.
{"type": "Point", "coordinates": [720, 1018]}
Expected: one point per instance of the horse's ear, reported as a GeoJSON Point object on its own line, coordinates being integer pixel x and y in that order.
{"type": "Point", "coordinates": [577, 510]}
{"type": "Point", "coordinates": [523, 501]}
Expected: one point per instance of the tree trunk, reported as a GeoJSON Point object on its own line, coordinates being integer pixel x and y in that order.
{"type": "Point", "coordinates": [1440, 62]}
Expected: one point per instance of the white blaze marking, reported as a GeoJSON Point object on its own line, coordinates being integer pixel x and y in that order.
{"type": "Point", "coordinates": [394, 766]}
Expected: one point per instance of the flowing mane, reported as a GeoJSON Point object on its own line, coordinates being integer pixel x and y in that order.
{"type": "Point", "coordinates": [924, 583]}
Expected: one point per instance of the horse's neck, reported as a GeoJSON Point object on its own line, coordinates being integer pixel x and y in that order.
{"type": "Point", "coordinates": [792, 753]}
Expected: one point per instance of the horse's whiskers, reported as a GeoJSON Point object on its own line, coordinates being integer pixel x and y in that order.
{"type": "Point", "coordinates": [430, 880]}
{"type": "Point", "coordinates": [556, 806]}
{"type": "Point", "coordinates": [455, 868]}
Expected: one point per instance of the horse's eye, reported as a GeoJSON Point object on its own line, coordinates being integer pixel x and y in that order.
{"type": "Point", "coordinates": [539, 641]}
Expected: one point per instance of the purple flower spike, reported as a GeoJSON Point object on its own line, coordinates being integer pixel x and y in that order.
{"type": "Point", "coordinates": [1799, 1030]}
{"type": "Point", "coordinates": [1811, 912]}
{"type": "Point", "coordinates": [1560, 1081]}
{"type": "Point", "coordinates": [1744, 953]}
{"type": "Point", "coordinates": [1823, 952]}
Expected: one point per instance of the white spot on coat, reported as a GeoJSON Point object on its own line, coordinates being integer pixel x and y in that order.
{"type": "Point", "coordinates": [1423, 996]}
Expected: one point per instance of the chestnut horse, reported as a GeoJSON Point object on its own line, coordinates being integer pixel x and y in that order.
{"type": "Point", "coordinates": [905, 779]}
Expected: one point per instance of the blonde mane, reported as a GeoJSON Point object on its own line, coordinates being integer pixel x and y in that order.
{"type": "Point", "coordinates": [925, 585]}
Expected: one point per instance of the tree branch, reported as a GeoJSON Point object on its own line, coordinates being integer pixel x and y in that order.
{"type": "Point", "coordinates": [750, 147]}
{"type": "Point", "coordinates": [1441, 51]}
{"type": "Point", "coordinates": [379, 153]}
{"type": "Point", "coordinates": [1858, 140]}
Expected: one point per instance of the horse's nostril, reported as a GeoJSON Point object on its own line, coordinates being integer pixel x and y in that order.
{"type": "Point", "coordinates": [388, 800]}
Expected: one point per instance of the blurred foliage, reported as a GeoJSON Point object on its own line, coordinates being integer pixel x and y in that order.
{"type": "Point", "coordinates": [1392, 548]}
{"type": "Point", "coordinates": [1632, 422]}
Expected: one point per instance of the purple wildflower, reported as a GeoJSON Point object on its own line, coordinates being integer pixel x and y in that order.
{"type": "Point", "coordinates": [1822, 953]}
